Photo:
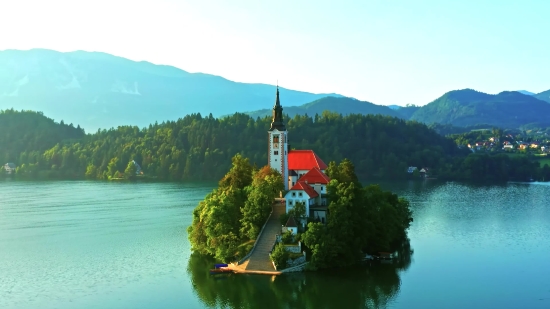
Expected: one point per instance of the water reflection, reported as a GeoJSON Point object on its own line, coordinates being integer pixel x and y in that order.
{"type": "Point", "coordinates": [372, 285]}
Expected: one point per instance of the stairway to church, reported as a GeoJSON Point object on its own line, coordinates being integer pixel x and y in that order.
{"type": "Point", "coordinates": [259, 260]}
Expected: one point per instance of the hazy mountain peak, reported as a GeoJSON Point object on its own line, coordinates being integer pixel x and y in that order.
{"type": "Point", "coordinates": [468, 107]}
{"type": "Point", "coordinates": [96, 89]}
{"type": "Point", "coordinates": [545, 96]}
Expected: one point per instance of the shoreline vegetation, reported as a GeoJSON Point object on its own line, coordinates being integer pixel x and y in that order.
{"type": "Point", "coordinates": [361, 220]}
{"type": "Point", "coordinates": [197, 148]}
{"type": "Point", "coordinates": [227, 222]}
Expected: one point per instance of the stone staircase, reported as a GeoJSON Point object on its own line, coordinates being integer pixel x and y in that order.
{"type": "Point", "coordinates": [259, 259]}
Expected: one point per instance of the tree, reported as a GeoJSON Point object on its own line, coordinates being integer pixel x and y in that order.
{"type": "Point", "coordinates": [91, 171]}
{"type": "Point", "coordinates": [279, 256]}
{"type": "Point", "coordinates": [240, 174]}
{"type": "Point", "coordinates": [266, 185]}
{"type": "Point", "coordinates": [361, 219]}
{"type": "Point", "coordinates": [256, 209]}
{"type": "Point", "coordinates": [130, 169]}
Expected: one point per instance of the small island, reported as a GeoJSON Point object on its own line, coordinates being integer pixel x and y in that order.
{"type": "Point", "coordinates": [339, 221]}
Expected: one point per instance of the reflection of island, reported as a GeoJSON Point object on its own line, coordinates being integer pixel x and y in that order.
{"type": "Point", "coordinates": [372, 285]}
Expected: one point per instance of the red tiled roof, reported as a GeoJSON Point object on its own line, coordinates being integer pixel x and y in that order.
{"type": "Point", "coordinates": [304, 160]}
{"type": "Point", "coordinates": [315, 176]}
{"type": "Point", "coordinates": [300, 185]}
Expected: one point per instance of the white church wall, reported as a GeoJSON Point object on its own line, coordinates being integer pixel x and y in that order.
{"type": "Point", "coordinates": [278, 156]}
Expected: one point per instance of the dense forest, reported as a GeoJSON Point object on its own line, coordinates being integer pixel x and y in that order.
{"type": "Point", "coordinates": [31, 132]}
{"type": "Point", "coordinates": [201, 148]}
{"type": "Point", "coordinates": [467, 107]}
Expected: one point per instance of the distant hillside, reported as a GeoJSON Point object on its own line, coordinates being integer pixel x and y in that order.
{"type": "Point", "coordinates": [545, 96]}
{"type": "Point", "coordinates": [101, 90]}
{"type": "Point", "coordinates": [525, 92]}
{"type": "Point", "coordinates": [508, 109]}
{"type": "Point", "coordinates": [342, 105]}
{"type": "Point", "coordinates": [25, 132]}
{"type": "Point", "coordinates": [407, 111]}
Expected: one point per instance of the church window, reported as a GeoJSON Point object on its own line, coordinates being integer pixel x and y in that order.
{"type": "Point", "coordinates": [293, 194]}
{"type": "Point", "coordinates": [276, 152]}
{"type": "Point", "coordinates": [300, 194]}
{"type": "Point", "coordinates": [275, 138]}
{"type": "Point", "coordinates": [290, 203]}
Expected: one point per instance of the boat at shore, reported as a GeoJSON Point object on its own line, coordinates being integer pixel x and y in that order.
{"type": "Point", "coordinates": [221, 269]}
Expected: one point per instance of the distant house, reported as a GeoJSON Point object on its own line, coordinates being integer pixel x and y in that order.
{"type": "Point", "coordinates": [411, 169]}
{"type": "Point", "coordinates": [543, 148]}
{"type": "Point", "coordinates": [291, 226]}
{"type": "Point", "coordinates": [508, 147]}
{"type": "Point", "coordinates": [9, 168]}
{"type": "Point", "coordinates": [535, 145]}
{"type": "Point", "coordinates": [424, 172]}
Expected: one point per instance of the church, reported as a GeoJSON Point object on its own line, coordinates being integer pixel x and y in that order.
{"type": "Point", "coordinates": [302, 170]}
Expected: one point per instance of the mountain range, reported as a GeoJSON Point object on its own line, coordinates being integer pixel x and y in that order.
{"type": "Point", "coordinates": [341, 105]}
{"type": "Point", "coordinates": [545, 96]}
{"type": "Point", "coordinates": [467, 107]}
{"type": "Point", "coordinates": [98, 90]}
{"type": "Point", "coordinates": [459, 108]}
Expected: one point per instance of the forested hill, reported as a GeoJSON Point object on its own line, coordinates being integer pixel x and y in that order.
{"type": "Point", "coordinates": [28, 131]}
{"type": "Point", "coordinates": [200, 148]}
{"type": "Point", "coordinates": [508, 109]}
{"type": "Point", "coordinates": [340, 105]}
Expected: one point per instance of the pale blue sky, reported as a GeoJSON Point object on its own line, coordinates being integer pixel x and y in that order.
{"type": "Point", "coordinates": [384, 51]}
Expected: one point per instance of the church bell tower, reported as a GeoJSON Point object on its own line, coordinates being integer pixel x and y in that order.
{"type": "Point", "coordinates": [277, 155]}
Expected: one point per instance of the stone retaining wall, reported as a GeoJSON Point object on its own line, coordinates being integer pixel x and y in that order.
{"type": "Point", "coordinates": [294, 248]}
{"type": "Point", "coordinates": [291, 263]}
{"type": "Point", "coordinates": [298, 268]}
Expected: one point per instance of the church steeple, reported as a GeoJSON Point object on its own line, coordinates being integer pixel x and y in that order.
{"type": "Point", "coordinates": [277, 141]}
{"type": "Point", "coordinates": [277, 121]}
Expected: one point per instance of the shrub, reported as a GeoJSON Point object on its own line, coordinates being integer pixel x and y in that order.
{"type": "Point", "coordinates": [279, 256]}
{"type": "Point", "coordinates": [287, 237]}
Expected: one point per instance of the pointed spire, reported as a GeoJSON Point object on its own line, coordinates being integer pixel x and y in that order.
{"type": "Point", "coordinates": [277, 121]}
{"type": "Point", "coordinates": [277, 102]}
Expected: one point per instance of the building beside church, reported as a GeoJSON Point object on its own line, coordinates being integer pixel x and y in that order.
{"type": "Point", "coordinates": [303, 171]}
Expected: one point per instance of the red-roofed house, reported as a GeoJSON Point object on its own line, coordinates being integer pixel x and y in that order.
{"type": "Point", "coordinates": [302, 170]}
{"type": "Point", "coordinates": [301, 192]}
{"type": "Point", "coordinates": [317, 180]}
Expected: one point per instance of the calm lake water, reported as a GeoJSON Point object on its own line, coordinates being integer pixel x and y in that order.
{"type": "Point", "coordinates": [124, 245]}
